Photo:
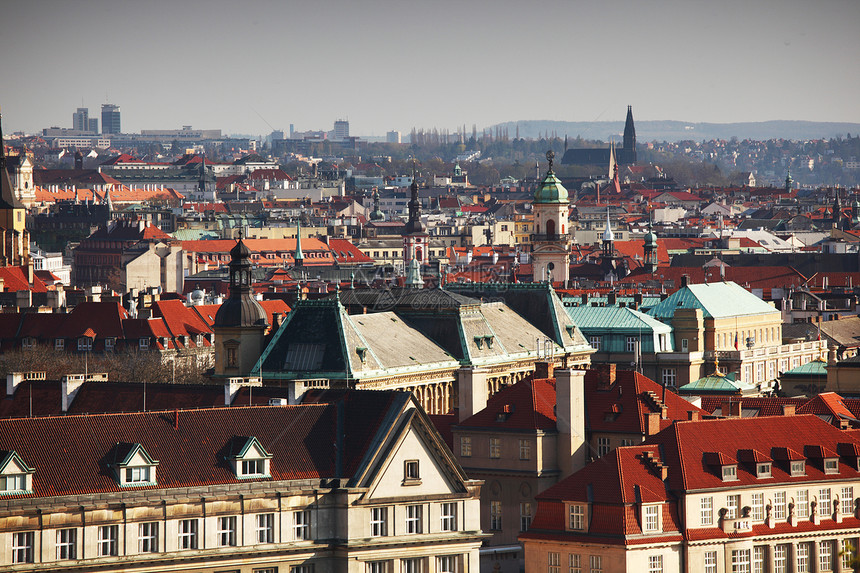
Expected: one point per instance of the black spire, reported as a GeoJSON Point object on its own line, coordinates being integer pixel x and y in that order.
{"type": "Point", "coordinates": [414, 224]}
{"type": "Point", "coordinates": [8, 198]}
{"type": "Point", "coordinates": [629, 143]}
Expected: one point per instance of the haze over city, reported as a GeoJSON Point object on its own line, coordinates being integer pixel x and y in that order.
{"type": "Point", "coordinates": [257, 66]}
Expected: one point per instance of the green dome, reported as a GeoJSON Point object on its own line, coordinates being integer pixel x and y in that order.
{"type": "Point", "coordinates": [551, 190]}
{"type": "Point", "coordinates": [651, 239]}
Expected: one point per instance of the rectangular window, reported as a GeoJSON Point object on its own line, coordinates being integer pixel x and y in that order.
{"type": "Point", "coordinates": [802, 506]}
{"type": "Point", "coordinates": [740, 561]}
{"type": "Point", "coordinates": [669, 377]}
{"type": "Point", "coordinates": [577, 517]}
{"type": "Point", "coordinates": [603, 447]}
{"type": "Point", "coordinates": [733, 502]}
{"type": "Point", "coordinates": [848, 553]}
{"type": "Point", "coordinates": [710, 562]}
{"type": "Point", "coordinates": [802, 558]}
{"type": "Point", "coordinates": [631, 344]}
{"type": "Point", "coordinates": [301, 525]}
{"type": "Point", "coordinates": [825, 508]}
{"type": "Point", "coordinates": [831, 466]}
{"type": "Point", "coordinates": [825, 556]}
{"type": "Point", "coordinates": [596, 562]}
{"type": "Point", "coordinates": [147, 537]}
{"type": "Point", "coordinates": [265, 528]}
{"type": "Point", "coordinates": [378, 521]}
{"type": "Point", "coordinates": [187, 534]}
{"type": "Point", "coordinates": [655, 564]}
{"type": "Point", "coordinates": [525, 516]}
{"type": "Point", "coordinates": [108, 540]}
{"type": "Point", "coordinates": [757, 507]}
{"type": "Point", "coordinates": [410, 470]}
{"type": "Point", "coordinates": [447, 564]}
{"type": "Point", "coordinates": [253, 467]}
{"type": "Point", "coordinates": [227, 531]}
{"type": "Point", "coordinates": [22, 547]}
{"type": "Point", "coordinates": [798, 468]}
{"type": "Point", "coordinates": [67, 540]}
{"type": "Point", "coordinates": [651, 515]}
{"type": "Point", "coordinates": [449, 516]}
{"type": "Point", "coordinates": [758, 558]}
{"type": "Point", "coordinates": [685, 345]}
{"type": "Point", "coordinates": [707, 511]}
{"type": "Point", "coordinates": [780, 558]}
{"type": "Point", "coordinates": [411, 565]}
{"type": "Point", "coordinates": [846, 500]}
{"type": "Point", "coordinates": [59, 344]}
{"type": "Point", "coordinates": [763, 470]}
{"type": "Point", "coordinates": [466, 446]}
{"type": "Point", "coordinates": [574, 562]}
{"type": "Point", "coordinates": [730, 473]}
{"type": "Point", "coordinates": [525, 449]}
{"type": "Point", "coordinates": [779, 505]}
{"type": "Point", "coordinates": [553, 562]}
{"type": "Point", "coordinates": [496, 515]}
{"type": "Point", "coordinates": [594, 341]}
{"type": "Point", "coordinates": [138, 474]}
{"type": "Point", "coordinates": [413, 519]}
{"type": "Point", "coordinates": [495, 447]}
{"type": "Point", "coordinates": [377, 567]}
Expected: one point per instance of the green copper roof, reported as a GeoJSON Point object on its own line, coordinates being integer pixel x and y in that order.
{"type": "Point", "coordinates": [814, 368]}
{"type": "Point", "coordinates": [717, 300]}
{"type": "Point", "coordinates": [615, 318]}
{"type": "Point", "coordinates": [713, 384]}
{"type": "Point", "coordinates": [551, 190]}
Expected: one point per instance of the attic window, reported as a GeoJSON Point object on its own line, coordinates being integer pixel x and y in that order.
{"type": "Point", "coordinates": [15, 476]}
{"type": "Point", "coordinates": [411, 473]}
{"type": "Point", "coordinates": [798, 468]}
{"type": "Point", "coordinates": [133, 466]}
{"type": "Point", "coordinates": [831, 465]}
{"type": "Point", "coordinates": [763, 470]}
{"type": "Point", "coordinates": [730, 472]}
{"type": "Point", "coordinates": [249, 458]}
{"type": "Point", "coordinates": [479, 342]}
{"type": "Point", "coordinates": [144, 343]}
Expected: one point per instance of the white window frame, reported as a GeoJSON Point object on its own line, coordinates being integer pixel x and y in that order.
{"type": "Point", "coordinates": [650, 518]}
{"type": "Point", "coordinates": [265, 527]}
{"type": "Point", "coordinates": [525, 449]}
{"type": "Point", "coordinates": [759, 557]}
{"type": "Point", "coordinates": [22, 546]}
{"type": "Point", "coordinates": [147, 537]}
{"type": "Point", "coordinates": [108, 540]}
{"type": "Point", "coordinates": [135, 475]}
{"type": "Point", "coordinates": [576, 517]}
{"type": "Point", "coordinates": [706, 511]}
{"type": "Point", "coordinates": [757, 506]}
{"type": "Point", "coordinates": [741, 561]}
{"type": "Point", "coordinates": [595, 341]}
{"type": "Point", "coordinates": [825, 502]}
{"type": "Point", "coordinates": [227, 531]}
{"type": "Point", "coordinates": [574, 563]}
{"type": "Point", "coordinates": [846, 500]}
{"type": "Point", "coordinates": [763, 470]}
{"type": "Point", "coordinates": [730, 472]}
{"type": "Point", "coordinates": [495, 515]}
{"type": "Point", "coordinates": [848, 551]}
{"type": "Point", "coordinates": [780, 558]}
{"type": "Point", "coordinates": [448, 564]}
{"type": "Point", "coordinates": [301, 525]}
{"type": "Point", "coordinates": [669, 377]}
{"type": "Point", "coordinates": [495, 448]}
{"type": "Point", "coordinates": [596, 563]}
{"type": "Point", "coordinates": [798, 468]}
{"type": "Point", "coordinates": [655, 564]}
{"type": "Point", "coordinates": [378, 521]}
{"type": "Point", "coordinates": [604, 446]}
{"type": "Point", "coordinates": [413, 519]}
{"type": "Point", "coordinates": [779, 504]}
{"type": "Point", "coordinates": [466, 446]}
{"type": "Point", "coordinates": [802, 563]}
{"type": "Point", "coordinates": [709, 562]}
{"type": "Point", "coordinates": [733, 506]}
{"type": "Point", "coordinates": [525, 515]}
{"type": "Point", "coordinates": [630, 344]}
{"type": "Point", "coordinates": [553, 562]}
{"type": "Point", "coordinates": [67, 544]}
{"type": "Point", "coordinates": [801, 507]}
{"type": "Point", "coordinates": [825, 555]}
{"type": "Point", "coordinates": [186, 534]}
{"type": "Point", "coordinates": [448, 516]}
{"type": "Point", "coordinates": [831, 466]}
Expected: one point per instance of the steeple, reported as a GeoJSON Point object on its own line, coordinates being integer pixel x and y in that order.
{"type": "Point", "coordinates": [299, 256]}
{"type": "Point", "coordinates": [608, 237]}
{"type": "Point", "coordinates": [613, 164]}
{"type": "Point", "coordinates": [629, 142]}
{"type": "Point", "coordinates": [788, 182]}
{"type": "Point", "coordinates": [376, 214]}
{"type": "Point", "coordinates": [414, 224]}
{"type": "Point", "coordinates": [650, 247]}
{"type": "Point", "coordinates": [241, 308]}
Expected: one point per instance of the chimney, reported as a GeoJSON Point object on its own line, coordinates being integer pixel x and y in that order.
{"type": "Point", "coordinates": [70, 383]}
{"type": "Point", "coordinates": [12, 381]}
{"type": "Point", "coordinates": [663, 296]}
{"type": "Point", "coordinates": [693, 416]}
{"type": "Point", "coordinates": [606, 374]}
{"type": "Point", "coordinates": [685, 280]}
{"type": "Point", "coordinates": [653, 421]}
{"type": "Point", "coordinates": [584, 299]}
{"type": "Point", "coordinates": [472, 385]}
{"type": "Point", "coordinates": [788, 409]}
{"type": "Point", "coordinates": [611, 298]}
{"type": "Point", "coordinates": [543, 370]}
{"type": "Point", "coordinates": [731, 409]}
{"type": "Point", "coordinates": [570, 419]}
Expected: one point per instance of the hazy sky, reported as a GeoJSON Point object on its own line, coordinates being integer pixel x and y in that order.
{"type": "Point", "coordinates": [250, 66]}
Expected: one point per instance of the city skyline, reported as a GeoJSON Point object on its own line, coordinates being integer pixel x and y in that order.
{"type": "Point", "coordinates": [258, 67]}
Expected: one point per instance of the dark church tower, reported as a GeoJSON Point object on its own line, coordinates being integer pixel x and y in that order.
{"type": "Point", "coordinates": [629, 146]}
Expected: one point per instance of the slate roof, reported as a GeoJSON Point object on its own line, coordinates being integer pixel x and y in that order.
{"type": "Point", "coordinates": [189, 444]}
{"type": "Point", "coordinates": [619, 319]}
{"type": "Point", "coordinates": [716, 300]}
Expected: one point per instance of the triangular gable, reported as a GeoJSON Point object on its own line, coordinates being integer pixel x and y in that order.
{"type": "Point", "coordinates": [411, 437]}
{"type": "Point", "coordinates": [134, 455]}
{"type": "Point", "coordinates": [13, 464]}
{"type": "Point", "coordinates": [244, 447]}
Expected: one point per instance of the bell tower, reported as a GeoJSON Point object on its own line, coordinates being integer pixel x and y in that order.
{"type": "Point", "coordinates": [415, 236]}
{"type": "Point", "coordinates": [551, 238]}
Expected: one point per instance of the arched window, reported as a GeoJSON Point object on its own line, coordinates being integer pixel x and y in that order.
{"type": "Point", "coordinates": [550, 228]}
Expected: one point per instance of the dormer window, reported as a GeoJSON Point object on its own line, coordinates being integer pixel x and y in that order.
{"type": "Point", "coordinates": [143, 344]}
{"type": "Point", "coordinates": [59, 344]}
{"type": "Point", "coordinates": [109, 344]}
{"type": "Point", "coordinates": [831, 465]}
{"type": "Point", "coordinates": [798, 468]}
{"type": "Point", "coordinates": [133, 466]}
{"type": "Point", "coordinates": [651, 518]}
{"type": "Point", "coordinates": [763, 470]}
{"type": "Point", "coordinates": [15, 476]}
{"type": "Point", "coordinates": [730, 472]}
{"type": "Point", "coordinates": [250, 459]}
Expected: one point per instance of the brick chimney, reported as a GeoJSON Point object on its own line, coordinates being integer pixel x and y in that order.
{"type": "Point", "coordinates": [653, 421]}
{"type": "Point", "coordinates": [693, 416]}
{"type": "Point", "coordinates": [543, 370]}
{"type": "Point", "coordinates": [606, 375]}
{"type": "Point", "coordinates": [788, 409]}
{"type": "Point", "coordinates": [731, 409]}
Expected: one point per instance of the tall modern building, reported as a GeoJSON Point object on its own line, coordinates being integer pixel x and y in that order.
{"type": "Point", "coordinates": [81, 121]}
{"type": "Point", "coordinates": [341, 129]}
{"type": "Point", "coordinates": [110, 119]}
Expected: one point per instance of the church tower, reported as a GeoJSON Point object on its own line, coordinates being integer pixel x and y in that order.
{"type": "Point", "coordinates": [15, 249]}
{"type": "Point", "coordinates": [551, 239]}
{"type": "Point", "coordinates": [629, 142]}
{"type": "Point", "coordinates": [650, 248]}
{"type": "Point", "coordinates": [206, 183]}
{"type": "Point", "coordinates": [415, 235]}
{"type": "Point", "coordinates": [240, 323]}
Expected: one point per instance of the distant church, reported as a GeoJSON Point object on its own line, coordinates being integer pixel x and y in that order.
{"type": "Point", "coordinates": [626, 155]}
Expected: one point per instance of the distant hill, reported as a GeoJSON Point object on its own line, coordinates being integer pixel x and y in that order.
{"type": "Point", "coordinates": [668, 130]}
